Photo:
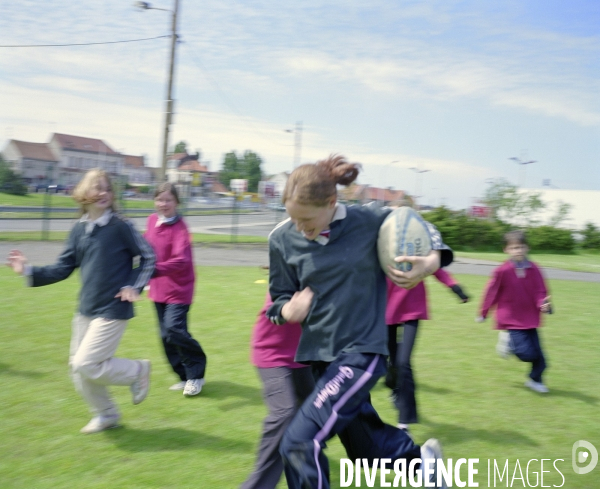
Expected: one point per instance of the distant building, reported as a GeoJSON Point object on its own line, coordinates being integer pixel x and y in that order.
{"type": "Point", "coordinates": [136, 171]}
{"type": "Point", "coordinates": [33, 161]}
{"type": "Point", "coordinates": [363, 194]}
{"type": "Point", "coordinates": [584, 206]}
{"type": "Point", "coordinates": [66, 158]}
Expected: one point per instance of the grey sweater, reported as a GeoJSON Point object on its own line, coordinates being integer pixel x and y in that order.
{"type": "Point", "coordinates": [347, 314]}
{"type": "Point", "coordinates": [105, 257]}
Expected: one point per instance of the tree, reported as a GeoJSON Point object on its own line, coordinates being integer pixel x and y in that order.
{"type": "Point", "coordinates": [561, 213]}
{"type": "Point", "coordinates": [10, 182]}
{"type": "Point", "coordinates": [591, 237]}
{"type": "Point", "coordinates": [180, 147]}
{"type": "Point", "coordinates": [507, 203]}
{"type": "Point", "coordinates": [248, 167]}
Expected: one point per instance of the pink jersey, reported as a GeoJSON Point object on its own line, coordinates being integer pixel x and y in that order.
{"type": "Point", "coordinates": [273, 345]}
{"type": "Point", "coordinates": [409, 304]}
{"type": "Point", "coordinates": [517, 299]}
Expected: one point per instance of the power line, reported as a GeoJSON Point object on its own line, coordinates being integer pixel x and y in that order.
{"type": "Point", "coordinates": [78, 44]}
{"type": "Point", "coordinates": [217, 88]}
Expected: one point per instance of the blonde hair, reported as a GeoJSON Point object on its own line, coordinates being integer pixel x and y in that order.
{"type": "Point", "coordinates": [316, 183]}
{"type": "Point", "coordinates": [86, 185]}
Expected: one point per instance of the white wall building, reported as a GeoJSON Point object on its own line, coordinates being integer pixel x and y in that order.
{"type": "Point", "coordinates": [585, 206]}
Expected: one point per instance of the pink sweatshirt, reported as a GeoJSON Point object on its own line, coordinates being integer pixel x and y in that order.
{"type": "Point", "coordinates": [272, 345]}
{"type": "Point", "coordinates": [173, 280]}
{"type": "Point", "coordinates": [408, 304]}
{"type": "Point", "coordinates": [517, 299]}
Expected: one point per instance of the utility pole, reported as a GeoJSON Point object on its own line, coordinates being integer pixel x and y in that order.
{"type": "Point", "coordinates": [297, 143]}
{"type": "Point", "coordinates": [169, 99]}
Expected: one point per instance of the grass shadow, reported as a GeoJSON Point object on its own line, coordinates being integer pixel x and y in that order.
{"type": "Point", "coordinates": [451, 433]}
{"type": "Point", "coordinates": [8, 370]}
{"type": "Point", "coordinates": [173, 439]}
{"type": "Point", "coordinates": [434, 389]}
{"type": "Point", "coordinates": [235, 395]}
{"type": "Point", "coordinates": [561, 393]}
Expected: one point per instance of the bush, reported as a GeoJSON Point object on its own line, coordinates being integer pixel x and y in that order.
{"type": "Point", "coordinates": [463, 232]}
{"type": "Point", "coordinates": [551, 239]}
{"type": "Point", "coordinates": [591, 237]}
{"type": "Point", "coordinates": [10, 182]}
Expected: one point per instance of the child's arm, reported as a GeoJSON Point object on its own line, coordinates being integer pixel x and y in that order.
{"type": "Point", "coordinates": [141, 275]}
{"type": "Point", "coordinates": [491, 294]}
{"type": "Point", "coordinates": [50, 274]}
{"type": "Point", "coordinates": [541, 293]}
{"type": "Point", "coordinates": [448, 280]}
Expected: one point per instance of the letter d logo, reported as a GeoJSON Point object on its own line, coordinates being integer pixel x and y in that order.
{"type": "Point", "coordinates": [589, 452]}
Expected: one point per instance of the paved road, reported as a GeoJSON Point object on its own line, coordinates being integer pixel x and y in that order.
{"type": "Point", "coordinates": [42, 253]}
{"type": "Point", "coordinates": [253, 224]}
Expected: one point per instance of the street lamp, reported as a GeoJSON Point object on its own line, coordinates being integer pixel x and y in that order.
{"type": "Point", "coordinates": [297, 142]}
{"type": "Point", "coordinates": [169, 100]}
{"type": "Point", "coordinates": [522, 169]}
{"type": "Point", "coordinates": [418, 183]}
{"type": "Point", "coordinates": [382, 189]}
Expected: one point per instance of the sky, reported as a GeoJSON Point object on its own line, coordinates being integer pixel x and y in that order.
{"type": "Point", "coordinates": [451, 88]}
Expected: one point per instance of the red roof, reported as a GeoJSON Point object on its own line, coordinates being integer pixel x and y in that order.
{"type": "Point", "coordinates": [34, 151]}
{"type": "Point", "coordinates": [134, 161]}
{"type": "Point", "coordinates": [193, 165]}
{"type": "Point", "coordinates": [79, 143]}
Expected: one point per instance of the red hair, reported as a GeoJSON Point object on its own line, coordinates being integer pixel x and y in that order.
{"type": "Point", "coordinates": [316, 183]}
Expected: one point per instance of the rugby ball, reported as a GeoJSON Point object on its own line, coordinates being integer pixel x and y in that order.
{"type": "Point", "coordinates": [403, 233]}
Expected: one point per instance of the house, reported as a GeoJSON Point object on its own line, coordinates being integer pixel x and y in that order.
{"type": "Point", "coordinates": [363, 194]}
{"type": "Point", "coordinates": [186, 169]}
{"type": "Point", "coordinates": [77, 155]}
{"type": "Point", "coordinates": [33, 161]}
{"type": "Point", "coordinates": [66, 158]}
{"type": "Point", "coordinates": [136, 171]}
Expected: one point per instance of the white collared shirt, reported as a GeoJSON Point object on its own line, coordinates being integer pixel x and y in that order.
{"type": "Point", "coordinates": [101, 221]}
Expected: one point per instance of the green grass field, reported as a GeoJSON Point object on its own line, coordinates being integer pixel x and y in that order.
{"type": "Point", "coordinates": [579, 262]}
{"type": "Point", "coordinates": [469, 398]}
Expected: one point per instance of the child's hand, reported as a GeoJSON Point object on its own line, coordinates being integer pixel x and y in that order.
{"type": "Point", "coordinates": [296, 310]}
{"type": "Point", "coordinates": [17, 261]}
{"type": "Point", "coordinates": [464, 298]}
{"type": "Point", "coordinates": [546, 305]}
{"type": "Point", "coordinates": [422, 267]}
{"type": "Point", "coordinates": [128, 294]}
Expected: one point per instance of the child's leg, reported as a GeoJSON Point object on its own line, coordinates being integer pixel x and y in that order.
{"type": "Point", "coordinates": [93, 364]}
{"type": "Point", "coordinates": [526, 345]}
{"type": "Point", "coordinates": [280, 398]}
{"type": "Point", "coordinates": [405, 386]}
{"type": "Point", "coordinates": [539, 364]}
{"type": "Point", "coordinates": [190, 352]}
{"type": "Point", "coordinates": [171, 351]}
{"type": "Point", "coordinates": [339, 405]}
{"type": "Point", "coordinates": [391, 377]}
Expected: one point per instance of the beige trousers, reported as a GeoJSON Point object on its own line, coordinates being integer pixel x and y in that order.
{"type": "Point", "coordinates": [93, 344]}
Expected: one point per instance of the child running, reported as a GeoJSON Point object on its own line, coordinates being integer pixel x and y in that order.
{"type": "Point", "coordinates": [405, 307]}
{"type": "Point", "coordinates": [519, 294]}
{"type": "Point", "coordinates": [172, 289]}
{"type": "Point", "coordinates": [325, 273]}
{"type": "Point", "coordinates": [103, 246]}
{"type": "Point", "coordinates": [285, 386]}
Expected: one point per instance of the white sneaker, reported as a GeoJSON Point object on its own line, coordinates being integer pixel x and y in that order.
{"type": "Point", "coordinates": [179, 386]}
{"type": "Point", "coordinates": [193, 387]}
{"type": "Point", "coordinates": [139, 389]}
{"type": "Point", "coordinates": [537, 386]}
{"type": "Point", "coordinates": [432, 450]}
{"type": "Point", "coordinates": [503, 347]}
{"type": "Point", "coordinates": [101, 423]}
